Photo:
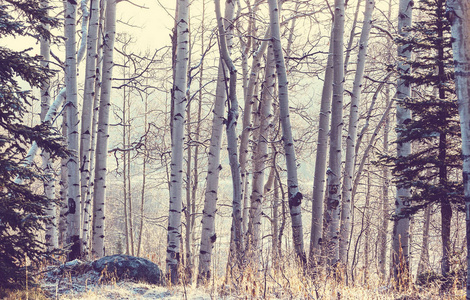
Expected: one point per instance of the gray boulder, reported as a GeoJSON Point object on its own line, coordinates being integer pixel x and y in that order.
{"type": "Point", "coordinates": [128, 267]}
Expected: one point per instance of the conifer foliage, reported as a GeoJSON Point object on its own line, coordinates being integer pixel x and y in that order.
{"type": "Point", "coordinates": [22, 211]}
{"type": "Point", "coordinates": [434, 130]}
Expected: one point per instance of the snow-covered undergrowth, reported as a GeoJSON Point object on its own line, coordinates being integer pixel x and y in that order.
{"type": "Point", "coordinates": [89, 286]}
{"type": "Point", "coordinates": [288, 282]}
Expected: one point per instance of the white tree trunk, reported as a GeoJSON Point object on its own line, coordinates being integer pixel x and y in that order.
{"type": "Point", "coordinates": [320, 161]}
{"type": "Point", "coordinates": [208, 235]}
{"type": "Point", "coordinates": [247, 112]}
{"type": "Point", "coordinates": [400, 245]}
{"type": "Point", "coordinates": [49, 183]}
{"type": "Point", "coordinates": [385, 211]}
{"type": "Point", "coordinates": [99, 199]}
{"type": "Point", "coordinates": [176, 183]}
{"type": "Point", "coordinates": [352, 133]}
{"type": "Point", "coordinates": [232, 139]}
{"type": "Point", "coordinates": [459, 17]}
{"type": "Point", "coordinates": [334, 171]}
{"type": "Point", "coordinates": [261, 154]}
{"type": "Point", "coordinates": [86, 121]}
{"type": "Point", "coordinates": [62, 224]}
{"type": "Point", "coordinates": [295, 197]}
{"type": "Point", "coordinates": [73, 197]}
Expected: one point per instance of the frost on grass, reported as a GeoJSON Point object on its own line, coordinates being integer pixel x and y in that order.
{"type": "Point", "coordinates": [78, 280]}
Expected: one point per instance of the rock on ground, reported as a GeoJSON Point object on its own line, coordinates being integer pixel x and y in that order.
{"type": "Point", "coordinates": [118, 267]}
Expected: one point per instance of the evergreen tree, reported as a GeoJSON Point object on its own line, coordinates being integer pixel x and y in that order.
{"type": "Point", "coordinates": [434, 129]}
{"type": "Point", "coordinates": [22, 211]}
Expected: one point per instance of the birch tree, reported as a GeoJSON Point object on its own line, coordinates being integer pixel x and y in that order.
{"type": "Point", "coordinates": [458, 13]}
{"type": "Point", "coordinates": [294, 195]}
{"type": "Point", "coordinates": [49, 183]}
{"type": "Point", "coordinates": [400, 244]}
{"type": "Point", "coordinates": [208, 235]}
{"type": "Point", "coordinates": [247, 112]}
{"type": "Point", "coordinates": [232, 139]}
{"type": "Point", "coordinates": [254, 222]}
{"type": "Point", "coordinates": [86, 120]}
{"type": "Point", "coordinates": [334, 170]}
{"type": "Point", "coordinates": [352, 133]}
{"type": "Point", "coordinates": [73, 193]}
{"type": "Point", "coordinates": [260, 152]}
{"type": "Point", "coordinates": [176, 183]}
{"type": "Point", "coordinates": [99, 199]}
{"type": "Point", "coordinates": [321, 160]}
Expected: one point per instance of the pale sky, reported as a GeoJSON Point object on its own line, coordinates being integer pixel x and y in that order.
{"type": "Point", "coordinates": [153, 25]}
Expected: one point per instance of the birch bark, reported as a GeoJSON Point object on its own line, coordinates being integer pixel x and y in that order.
{"type": "Point", "coordinates": [295, 197]}
{"type": "Point", "coordinates": [459, 17]}
{"type": "Point", "coordinates": [73, 193]}
{"type": "Point", "coordinates": [261, 153]}
{"type": "Point", "coordinates": [334, 170]}
{"type": "Point", "coordinates": [49, 183]}
{"type": "Point", "coordinates": [320, 161]}
{"type": "Point", "coordinates": [180, 82]}
{"type": "Point", "coordinates": [247, 112]}
{"type": "Point", "coordinates": [208, 234]}
{"type": "Point", "coordinates": [86, 121]}
{"type": "Point", "coordinates": [352, 133]}
{"type": "Point", "coordinates": [232, 139]}
{"type": "Point", "coordinates": [99, 199]}
{"type": "Point", "coordinates": [400, 244]}
{"type": "Point", "coordinates": [382, 238]}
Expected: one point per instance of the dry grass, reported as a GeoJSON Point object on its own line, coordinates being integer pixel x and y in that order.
{"type": "Point", "coordinates": [287, 281]}
{"type": "Point", "coordinates": [34, 293]}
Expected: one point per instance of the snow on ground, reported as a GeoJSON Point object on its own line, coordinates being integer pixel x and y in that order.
{"type": "Point", "coordinates": [65, 285]}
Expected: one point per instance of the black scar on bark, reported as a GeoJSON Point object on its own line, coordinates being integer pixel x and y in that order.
{"type": "Point", "coordinates": [295, 200]}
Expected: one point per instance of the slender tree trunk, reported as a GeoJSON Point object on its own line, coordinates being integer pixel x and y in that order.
{"type": "Point", "coordinates": [446, 208]}
{"type": "Point", "coordinates": [352, 134]}
{"type": "Point", "coordinates": [260, 155]}
{"type": "Point", "coordinates": [124, 168]}
{"type": "Point", "coordinates": [94, 126]}
{"type": "Point", "coordinates": [208, 235]}
{"type": "Point", "coordinates": [144, 176]}
{"type": "Point", "coordinates": [294, 195]}
{"type": "Point", "coordinates": [320, 161]}
{"type": "Point", "coordinates": [49, 183]}
{"type": "Point", "coordinates": [367, 214]}
{"type": "Point", "coordinates": [275, 229]}
{"type": "Point", "coordinates": [334, 170]}
{"type": "Point", "coordinates": [247, 112]}
{"type": "Point", "coordinates": [86, 121]}
{"type": "Point", "coordinates": [231, 123]}
{"type": "Point", "coordinates": [73, 194]}
{"type": "Point", "coordinates": [128, 177]}
{"type": "Point", "coordinates": [63, 192]}
{"type": "Point", "coordinates": [400, 246]}
{"type": "Point", "coordinates": [459, 17]}
{"type": "Point", "coordinates": [196, 148]}
{"type": "Point", "coordinates": [99, 199]}
{"type": "Point", "coordinates": [424, 259]}
{"type": "Point", "coordinates": [385, 215]}
{"type": "Point", "coordinates": [180, 84]}
{"type": "Point", "coordinates": [352, 35]}
{"type": "Point", "coordinates": [188, 212]}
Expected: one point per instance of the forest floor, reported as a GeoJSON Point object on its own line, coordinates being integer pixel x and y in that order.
{"type": "Point", "coordinates": [88, 286]}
